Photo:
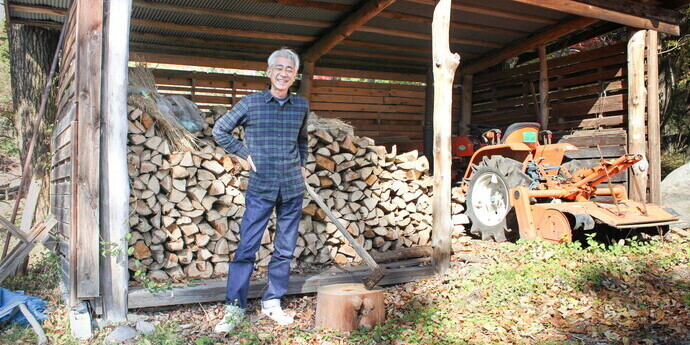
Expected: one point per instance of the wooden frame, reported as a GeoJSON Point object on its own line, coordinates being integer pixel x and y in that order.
{"type": "Point", "coordinates": [86, 129]}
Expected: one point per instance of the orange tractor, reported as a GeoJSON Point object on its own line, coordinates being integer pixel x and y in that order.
{"type": "Point", "coordinates": [517, 185]}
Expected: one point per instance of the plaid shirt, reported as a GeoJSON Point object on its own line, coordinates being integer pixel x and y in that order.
{"type": "Point", "coordinates": [275, 137]}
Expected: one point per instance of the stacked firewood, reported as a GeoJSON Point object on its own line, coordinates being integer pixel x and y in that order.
{"type": "Point", "coordinates": [186, 207]}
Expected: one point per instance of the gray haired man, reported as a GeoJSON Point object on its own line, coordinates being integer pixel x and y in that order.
{"type": "Point", "coordinates": [275, 147]}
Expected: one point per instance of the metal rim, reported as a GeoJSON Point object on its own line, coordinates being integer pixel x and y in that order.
{"type": "Point", "coordinates": [490, 198]}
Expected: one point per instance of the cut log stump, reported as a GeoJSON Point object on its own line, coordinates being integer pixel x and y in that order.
{"type": "Point", "coordinates": [346, 307]}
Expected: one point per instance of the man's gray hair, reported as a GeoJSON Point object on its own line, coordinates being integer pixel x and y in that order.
{"type": "Point", "coordinates": [286, 53]}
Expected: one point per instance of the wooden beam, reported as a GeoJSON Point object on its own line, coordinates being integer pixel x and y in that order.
{"type": "Point", "coordinates": [214, 290]}
{"type": "Point", "coordinates": [392, 47]}
{"type": "Point", "coordinates": [345, 28]}
{"type": "Point", "coordinates": [46, 10]}
{"type": "Point", "coordinates": [496, 57]}
{"type": "Point", "coordinates": [637, 99]}
{"type": "Point", "coordinates": [114, 177]}
{"type": "Point", "coordinates": [626, 12]}
{"type": "Point", "coordinates": [492, 11]}
{"type": "Point", "coordinates": [454, 24]}
{"type": "Point", "coordinates": [466, 110]}
{"type": "Point", "coordinates": [445, 65]}
{"type": "Point", "coordinates": [543, 87]}
{"type": "Point", "coordinates": [425, 36]}
{"type": "Point", "coordinates": [263, 47]}
{"type": "Point", "coordinates": [177, 59]}
{"type": "Point", "coordinates": [331, 61]}
{"type": "Point", "coordinates": [653, 120]}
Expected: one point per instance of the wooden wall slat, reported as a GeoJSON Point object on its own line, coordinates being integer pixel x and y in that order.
{"type": "Point", "coordinates": [60, 174]}
{"type": "Point", "coordinates": [586, 90]}
{"type": "Point", "coordinates": [374, 109]}
{"type": "Point", "coordinates": [87, 164]}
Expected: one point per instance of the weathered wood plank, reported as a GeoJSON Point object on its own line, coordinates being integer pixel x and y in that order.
{"type": "Point", "coordinates": [214, 290]}
{"type": "Point", "coordinates": [87, 165]}
{"type": "Point", "coordinates": [62, 171]}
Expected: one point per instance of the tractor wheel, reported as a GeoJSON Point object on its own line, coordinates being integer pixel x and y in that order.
{"type": "Point", "coordinates": [488, 202]}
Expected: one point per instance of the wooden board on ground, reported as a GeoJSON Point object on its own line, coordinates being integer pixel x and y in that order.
{"type": "Point", "coordinates": [214, 290]}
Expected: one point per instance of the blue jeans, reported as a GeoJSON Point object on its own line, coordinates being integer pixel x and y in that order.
{"type": "Point", "coordinates": [254, 221]}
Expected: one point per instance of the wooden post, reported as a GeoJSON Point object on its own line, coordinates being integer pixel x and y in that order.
{"type": "Point", "coordinates": [637, 99]}
{"type": "Point", "coordinates": [429, 119]}
{"type": "Point", "coordinates": [653, 121]}
{"type": "Point", "coordinates": [193, 92]}
{"type": "Point", "coordinates": [445, 64]}
{"type": "Point", "coordinates": [543, 87]}
{"type": "Point", "coordinates": [86, 181]}
{"type": "Point", "coordinates": [466, 114]}
{"type": "Point", "coordinates": [234, 91]}
{"type": "Point", "coordinates": [114, 177]}
{"type": "Point", "coordinates": [632, 13]}
{"type": "Point", "coordinates": [307, 79]}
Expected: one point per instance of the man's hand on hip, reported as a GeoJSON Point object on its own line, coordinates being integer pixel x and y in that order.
{"type": "Point", "coordinates": [251, 163]}
{"type": "Point", "coordinates": [305, 173]}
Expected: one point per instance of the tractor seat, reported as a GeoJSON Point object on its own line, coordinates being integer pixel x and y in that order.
{"type": "Point", "coordinates": [515, 131]}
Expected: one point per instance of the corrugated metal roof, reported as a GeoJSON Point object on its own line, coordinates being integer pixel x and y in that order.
{"type": "Point", "coordinates": [206, 27]}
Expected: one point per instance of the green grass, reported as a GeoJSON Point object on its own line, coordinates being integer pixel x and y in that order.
{"type": "Point", "coordinates": [41, 278]}
{"type": "Point", "coordinates": [671, 160]}
{"type": "Point", "coordinates": [479, 300]}
{"type": "Point", "coordinates": [165, 334]}
{"type": "Point", "coordinates": [492, 303]}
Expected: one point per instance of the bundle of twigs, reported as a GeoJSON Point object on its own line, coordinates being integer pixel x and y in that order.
{"type": "Point", "coordinates": [143, 94]}
{"type": "Point", "coordinates": [334, 125]}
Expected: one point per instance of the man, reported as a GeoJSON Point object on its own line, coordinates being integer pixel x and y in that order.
{"type": "Point", "coordinates": [276, 151]}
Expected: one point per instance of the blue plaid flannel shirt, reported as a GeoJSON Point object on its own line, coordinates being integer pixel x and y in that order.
{"type": "Point", "coordinates": [275, 137]}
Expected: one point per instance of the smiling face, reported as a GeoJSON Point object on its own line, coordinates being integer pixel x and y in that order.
{"type": "Point", "coordinates": [282, 74]}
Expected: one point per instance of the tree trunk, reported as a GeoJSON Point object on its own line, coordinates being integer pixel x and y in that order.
{"type": "Point", "coordinates": [347, 307]}
{"type": "Point", "coordinates": [31, 53]}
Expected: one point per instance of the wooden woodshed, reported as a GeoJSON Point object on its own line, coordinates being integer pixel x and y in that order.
{"type": "Point", "coordinates": [367, 62]}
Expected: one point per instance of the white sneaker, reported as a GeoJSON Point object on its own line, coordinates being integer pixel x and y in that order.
{"type": "Point", "coordinates": [273, 310]}
{"type": "Point", "coordinates": [233, 316]}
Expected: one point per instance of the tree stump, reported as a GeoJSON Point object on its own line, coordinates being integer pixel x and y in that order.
{"type": "Point", "coordinates": [347, 307]}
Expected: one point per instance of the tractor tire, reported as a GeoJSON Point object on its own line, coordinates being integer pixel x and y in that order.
{"type": "Point", "coordinates": [488, 200]}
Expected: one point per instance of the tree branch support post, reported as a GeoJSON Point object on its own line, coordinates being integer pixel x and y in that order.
{"type": "Point", "coordinates": [653, 120]}
{"type": "Point", "coordinates": [445, 65]}
{"type": "Point", "coordinates": [543, 87]}
{"type": "Point", "coordinates": [307, 79]}
{"type": "Point", "coordinates": [637, 99]}
{"type": "Point", "coordinates": [114, 178]}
